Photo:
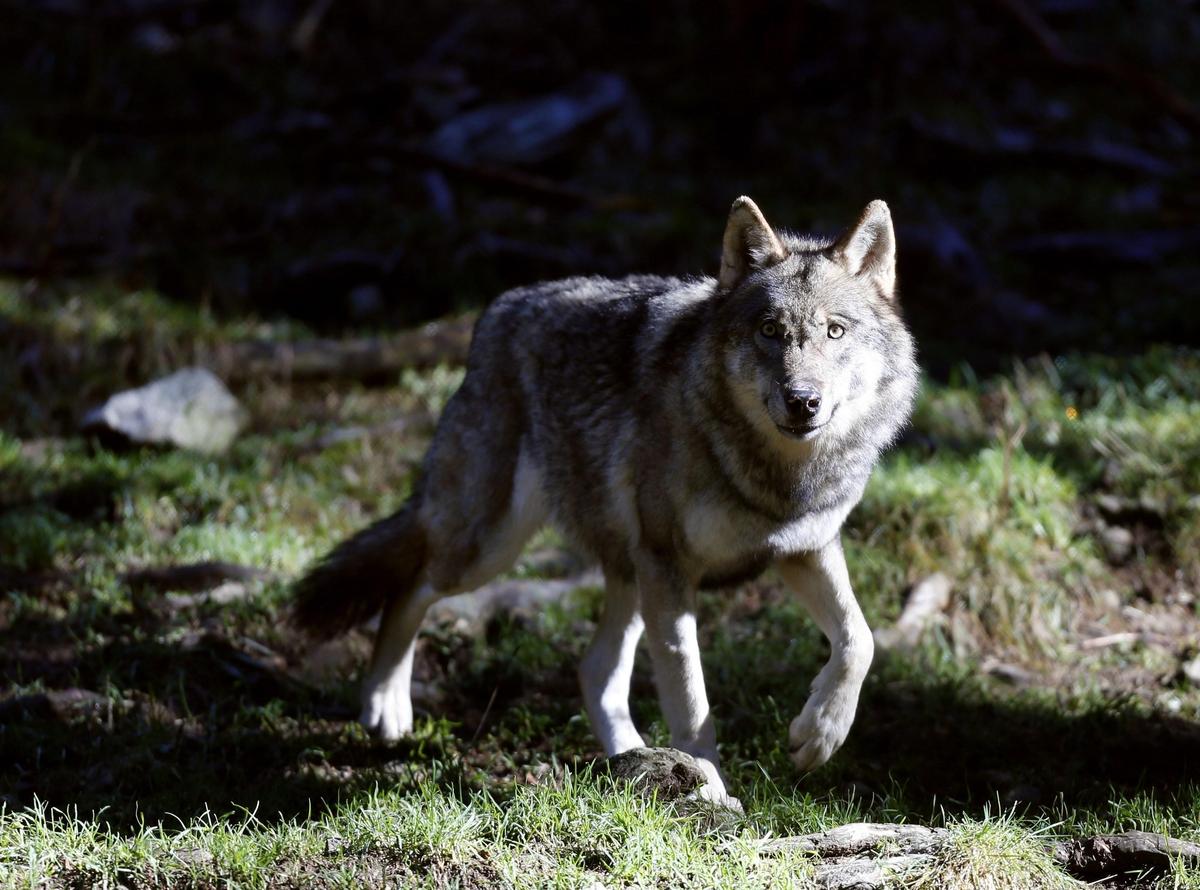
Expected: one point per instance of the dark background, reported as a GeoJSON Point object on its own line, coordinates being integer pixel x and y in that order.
{"type": "Point", "coordinates": [359, 164]}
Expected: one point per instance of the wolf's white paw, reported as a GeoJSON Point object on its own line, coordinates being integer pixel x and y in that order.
{"type": "Point", "coordinates": [820, 729]}
{"type": "Point", "coordinates": [719, 796]}
{"type": "Point", "coordinates": [386, 713]}
{"type": "Point", "coordinates": [713, 789]}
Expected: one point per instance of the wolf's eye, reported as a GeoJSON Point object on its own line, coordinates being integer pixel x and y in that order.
{"type": "Point", "coordinates": [835, 330]}
{"type": "Point", "coordinates": [769, 330]}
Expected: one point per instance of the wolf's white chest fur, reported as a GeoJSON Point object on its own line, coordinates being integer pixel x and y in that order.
{"type": "Point", "coordinates": [720, 537]}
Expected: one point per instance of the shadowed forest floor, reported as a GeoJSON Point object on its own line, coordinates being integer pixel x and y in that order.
{"type": "Point", "coordinates": [176, 177]}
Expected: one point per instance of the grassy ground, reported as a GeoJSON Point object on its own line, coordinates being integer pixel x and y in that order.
{"type": "Point", "coordinates": [145, 741]}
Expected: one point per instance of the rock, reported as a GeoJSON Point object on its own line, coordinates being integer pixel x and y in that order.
{"type": "Point", "coordinates": [1191, 670]}
{"type": "Point", "coordinates": [668, 773]}
{"type": "Point", "coordinates": [1118, 543]}
{"type": "Point", "coordinates": [189, 409]}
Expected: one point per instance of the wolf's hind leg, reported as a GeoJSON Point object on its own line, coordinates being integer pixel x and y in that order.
{"type": "Point", "coordinates": [821, 581]}
{"type": "Point", "coordinates": [386, 692]}
{"type": "Point", "coordinates": [606, 668]}
{"type": "Point", "coordinates": [451, 567]}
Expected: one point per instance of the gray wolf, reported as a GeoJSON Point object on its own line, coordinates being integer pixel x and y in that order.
{"type": "Point", "coordinates": [685, 434]}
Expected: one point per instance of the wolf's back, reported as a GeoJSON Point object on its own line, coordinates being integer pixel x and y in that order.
{"type": "Point", "coordinates": [360, 575]}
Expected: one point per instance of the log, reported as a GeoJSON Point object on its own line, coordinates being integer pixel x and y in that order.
{"type": "Point", "coordinates": [858, 838]}
{"type": "Point", "coordinates": [1110, 855]}
{"type": "Point", "coordinates": [439, 342]}
{"type": "Point", "coordinates": [927, 601]}
{"type": "Point", "coordinates": [194, 577]}
{"type": "Point", "coordinates": [869, 874]}
{"type": "Point", "coordinates": [848, 863]}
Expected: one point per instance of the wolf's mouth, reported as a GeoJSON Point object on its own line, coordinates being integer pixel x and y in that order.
{"type": "Point", "coordinates": [801, 433]}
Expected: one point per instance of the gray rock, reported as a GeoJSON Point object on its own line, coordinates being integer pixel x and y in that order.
{"type": "Point", "coordinates": [667, 772]}
{"type": "Point", "coordinates": [189, 409]}
{"type": "Point", "coordinates": [1118, 543]}
{"type": "Point", "coordinates": [1191, 670]}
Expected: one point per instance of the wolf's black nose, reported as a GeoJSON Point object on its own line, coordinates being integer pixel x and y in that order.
{"type": "Point", "coordinates": [802, 403]}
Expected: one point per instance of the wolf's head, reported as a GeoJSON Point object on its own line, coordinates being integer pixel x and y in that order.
{"type": "Point", "coordinates": [813, 345]}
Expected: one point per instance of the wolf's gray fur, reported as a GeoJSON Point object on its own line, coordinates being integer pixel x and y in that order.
{"type": "Point", "coordinates": [685, 433]}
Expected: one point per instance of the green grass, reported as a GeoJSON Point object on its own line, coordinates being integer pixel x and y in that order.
{"type": "Point", "coordinates": [215, 753]}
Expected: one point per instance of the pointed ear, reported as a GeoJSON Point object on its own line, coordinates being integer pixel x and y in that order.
{"type": "Point", "coordinates": [749, 244]}
{"type": "Point", "coordinates": [869, 248]}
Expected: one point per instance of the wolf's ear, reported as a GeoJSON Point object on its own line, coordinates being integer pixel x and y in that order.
{"type": "Point", "coordinates": [749, 244]}
{"type": "Point", "coordinates": [869, 248]}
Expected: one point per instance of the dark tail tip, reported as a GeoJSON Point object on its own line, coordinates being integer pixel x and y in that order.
{"type": "Point", "coordinates": [359, 576]}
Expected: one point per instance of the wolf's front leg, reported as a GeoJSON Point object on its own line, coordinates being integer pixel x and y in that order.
{"type": "Point", "coordinates": [668, 609]}
{"type": "Point", "coordinates": [607, 667]}
{"type": "Point", "coordinates": [821, 581]}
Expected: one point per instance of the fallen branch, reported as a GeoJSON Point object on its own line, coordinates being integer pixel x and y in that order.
{"type": "Point", "coordinates": [442, 342]}
{"type": "Point", "coordinates": [194, 577]}
{"type": "Point", "coordinates": [222, 595]}
{"type": "Point", "coordinates": [1122, 638]}
{"type": "Point", "coordinates": [928, 599]}
{"type": "Point", "coordinates": [869, 874]}
{"type": "Point", "coordinates": [518, 595]}
{"type": "Point", "coordinates": [858, 838]}
{"type": "Point", "coordinates": [1140, 852]}
{"type": "Point", "coordinates": [342, 434]}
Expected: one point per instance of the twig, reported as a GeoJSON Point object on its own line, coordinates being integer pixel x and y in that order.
{"type": "Point", "coordinates": [1123, 637]}
{"type": "Point", "coordinates": [486, 712]}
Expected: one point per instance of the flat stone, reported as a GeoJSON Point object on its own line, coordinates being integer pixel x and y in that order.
{"type": "Point", "coordinates": [189, 409]}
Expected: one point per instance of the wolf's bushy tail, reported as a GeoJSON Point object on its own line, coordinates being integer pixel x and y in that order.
{"type": "Point", "coordinates": [360, 575]}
